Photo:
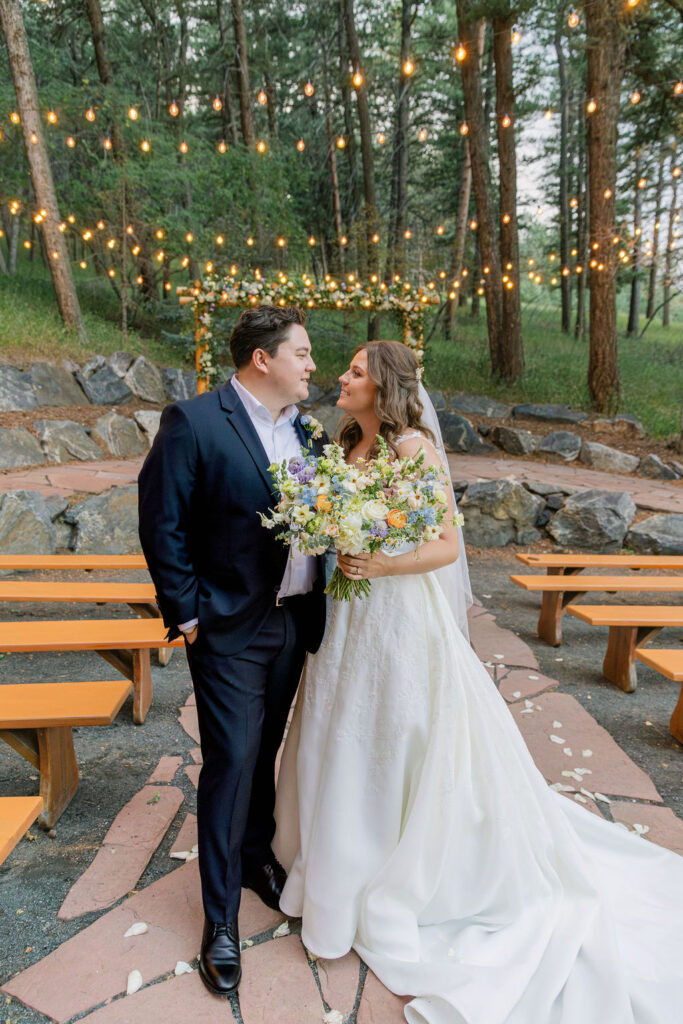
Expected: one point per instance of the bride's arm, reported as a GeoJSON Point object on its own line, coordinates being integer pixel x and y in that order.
{"type": "Point", "coordinates": [432, 555]}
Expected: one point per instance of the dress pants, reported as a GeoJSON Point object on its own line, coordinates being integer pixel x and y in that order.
{"type": "Point", "coordinates": [242, 705]}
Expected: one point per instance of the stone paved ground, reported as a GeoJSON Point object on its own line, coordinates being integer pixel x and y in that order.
{"type": "Point", "coordinates": [67, 903]}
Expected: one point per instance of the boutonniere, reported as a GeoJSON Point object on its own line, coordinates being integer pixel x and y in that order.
{"type": "Point", "coordinates": [312, 426]}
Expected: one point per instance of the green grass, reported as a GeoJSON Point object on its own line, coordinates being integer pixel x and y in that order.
{"type": "Point", "coordinates": [651, 368]}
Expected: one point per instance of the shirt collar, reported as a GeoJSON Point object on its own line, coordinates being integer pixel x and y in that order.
{"type": "Point", "coordinates": [256, 408]}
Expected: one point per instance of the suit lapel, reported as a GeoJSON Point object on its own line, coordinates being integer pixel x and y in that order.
{"type": "Point", "coordinates": [239, 420]}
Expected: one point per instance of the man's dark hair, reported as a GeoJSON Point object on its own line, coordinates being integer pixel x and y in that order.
{"type": "Point", "coordinates": [263, 327]}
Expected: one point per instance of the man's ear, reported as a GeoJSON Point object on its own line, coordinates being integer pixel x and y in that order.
{"type": "Point", "coordinates": [259, 359]}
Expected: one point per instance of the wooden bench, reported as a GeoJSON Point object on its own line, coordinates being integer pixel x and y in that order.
{"type": "Point", "coordinates": [557, 593]}
{"type": "Point", "coordinates": [670, 664]}
{"type": "Point", "coordinates": [629, 627]}
{"type": "Point", "coordinates": [37, 719]}
{"type": "Point", "coordinates": [123, 643]}
{"type": "Point", "coordinates": [17, 814]}
{"type": "Point", "coordinates": [25, 563]}
{"type": "Point", "coordinates": [570, 564]}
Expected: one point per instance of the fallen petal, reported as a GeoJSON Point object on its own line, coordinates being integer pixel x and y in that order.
{"type": "Point", "coordinates": [581, 799]}
{"type": "Point", "coordinates": [282, 929]}
{"type": "Point", "coordinates": [517, 694]}
{"type": "Point", "coordinates": [557, 739]}
{"type": "Point", "coordinates": [179, 855]}
{"type": "Point", "coordinates": [567, 751]}
{"type": "Point", "coordinates": [605, 799]}
{"type": "Point", "coordinates": [560, 787]}
{"type": "Point", "coordinates": [533, 677]}
{"type": "Point", "coordinates": [333, 1017]}
{"type": "Point", "coordinates": [139, 928]}
{"type": "Point", "coordinates": [587, 753]}
{"type": "Point", "coordinates": [587, 792]}
{"type": "Point", "coordinates": [192, 855]}
{"type": "Point", "coordinates": [584, 771]}
{"type": "Point", "coordinates": [557, 725]}
{"type": "Point", "coordinates": [182, 968]}
{"type": "Point", "coordinates": [134, 982]}
{"type": "Point", "coordinates": [641, 829]}
{"type": "Point", "coordinates": [572, 775]}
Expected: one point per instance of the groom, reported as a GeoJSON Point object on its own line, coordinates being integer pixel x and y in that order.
{"type": "Point", "coordinates": [248, 612]}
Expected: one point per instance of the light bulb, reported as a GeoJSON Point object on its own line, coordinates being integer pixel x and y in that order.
{"type": "Point", "coordinates": [132, 113]}
{"type": "Point", "coordinates": [217, 103]}
{"type": "Point", "coordinates": [308, 88]}
{"type": "Point", "coordinates": [90, 114]}
{"type": "Point", "coordinates": [261, 146]}
{"type": "Point", "coordinates": [460, 53]}
{"type": "Point", "coordinates": [262, 98]}
{"type": "Point", "coordinates": [301, 145]}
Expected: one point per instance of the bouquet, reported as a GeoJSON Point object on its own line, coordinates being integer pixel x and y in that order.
{"type": "Point", "coordinates": [377, 505]}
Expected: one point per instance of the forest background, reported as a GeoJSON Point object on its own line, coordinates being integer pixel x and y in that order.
{"type": "Point", "coordinates": [520, 161]}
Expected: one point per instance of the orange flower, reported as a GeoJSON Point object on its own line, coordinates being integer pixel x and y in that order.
{"type": "Point", "coordinates": [323, 504]}
{"type": "Point", "coordinates": [397, 519]}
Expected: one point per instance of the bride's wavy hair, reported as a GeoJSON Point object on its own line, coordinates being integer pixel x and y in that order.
{"type": "Point", "coordinates": [393, 369]}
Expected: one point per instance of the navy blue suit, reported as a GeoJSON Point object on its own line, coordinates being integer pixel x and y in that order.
{"type": "Point", "coordinates": [200, 489]}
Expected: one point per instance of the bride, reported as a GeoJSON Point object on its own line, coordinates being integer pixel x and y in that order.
{"type": "Point", "coordinates": [413, 822]}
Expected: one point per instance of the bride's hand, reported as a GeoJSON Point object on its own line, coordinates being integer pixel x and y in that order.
{"type": "Point", "coordinates": [365, 567]}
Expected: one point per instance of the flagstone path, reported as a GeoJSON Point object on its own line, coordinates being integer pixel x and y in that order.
{"type": "Point", "coordinates": [282, 984]}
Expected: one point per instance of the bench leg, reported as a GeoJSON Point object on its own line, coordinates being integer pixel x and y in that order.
{"type": "Point", "coordinates": [51, 752]}
{"type": "Point", "coordinates": [676, 723]}
{"type": "Point", "coordinates": [619, 665]}
{"type": "Point", "coordinates": [151, 611]}
{"type": "Point", "coordinates": [553, 604]}
{"type": "Point", "coordinates": [136, 666]}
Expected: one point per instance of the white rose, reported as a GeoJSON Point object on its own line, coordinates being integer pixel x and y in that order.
{"type": "Point", "coordinates": [374, 509]}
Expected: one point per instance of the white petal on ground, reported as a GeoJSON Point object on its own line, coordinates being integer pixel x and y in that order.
{"type": "Point", "coordinates": [600, 796]}
{"type": "Point", "coordinates": [499, 656]}
{"type": "Point", "coordinates": [560, 787]}
{"type": "Point", "coordinates": [517, 694]}
{"type": "Point", "coordinates": [581, 799]}
{"type": "Point", "coordinates": [139, 928]}
{"type": "Point", "coordinates": [557, 739]}
{"type": "Point", "coordinates": [195, 848]}
{"type": "Point", "coordinates": [182, 968]}
{"type": "Point", "coordinates": [134, 982]}
{"type": "Point", "coordinates": [246, 943]}
{"type": "Point", "coordinates": [282, 929]}
{"type": "Point", "coordinates": [527, 711]}
{"type": "Point", "coordinates": [567, 751]}
{"type": "Point", "coordinates": [586, 753]}
{"type": "Point", "coordinates": [528, 704]}
{"type": "Point", "coordinates": [192, 855]}
{"type": "Point", "coordinates": [333, 1017]}
{"type": "Point", "coordinates": [583, 771]}
{"type": "Point", "coordinates": [557, 725]}
{"type": "Point", "coordinates": [179, 855]}
{"type": "Point", "coordinates": [572, 775]}
{"type": "Point", "coordinates": [641, 829]}
{"type": "Point", "coordinates": [587, 792]}
{"type": "Point", "coordinates": [533, 677]}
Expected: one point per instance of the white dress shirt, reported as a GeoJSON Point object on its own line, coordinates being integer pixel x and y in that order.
{"type": "Point", "coordinates": [280, 441]}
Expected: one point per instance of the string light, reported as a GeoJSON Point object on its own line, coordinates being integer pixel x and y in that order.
{"type": "Point", "coordinates": [34, 138]}
{"type": "Point", "coordinates": [262, 98]}
{"type": "Point", "coordinates": [222, 146]}
{"type": "Point", "coordinates": [250, 240]}
{"type": "Point", "coordinates": [160, 233]}
{"type": "Point", "coordinates": [309, 88]}
{"type": "Point", "coordinates": [635, 96]}
{"type": "Point", "coordinates": [217, 103]}
{"type": "Point", "coordinates": [607, 193]}
{"type": "Point", "coordinates": [516, 37]}
{"type": "Point", "coordinates": [678, 89]}
{"type": "Point", "coordinates": [219, 239]}
{"type": "Point", "coordinates": [281, 242]}
{"type": "Point", "coordinates": [90, 114]}
{"type": "Point", "coordinates": [464, 128]}
{"type": "Point", "coordinates": [439, 229]}
{"type": "Point", "coordinates": [14, 117]}
{"type": "Point", "coordinates": [144, 146]}
{"type": "Point", "coordinates": [261, 146]}
{"type": "Point", "coordinates": [573, 19]}
{"type": "Point", "coordinates": [507, 121]}
{"type": "Point", "coordinates": [341, 142]}
{"type": "Point", "coordinates": [83, 265]}
{"type": "Point", "coordinates": [676, 172]}
{"type": "Point", "coordinates": [460, 53]}
{"type": "Point", "coordinates": [422, 135]}
{"type": "Point", "coordinates": [343, 240]}
{"type": "Point", "coordinates": [51, 117]}
{"type": "Point", "coordinates": [357, 80]}
{"type": "Point", "coordinates": [407, 233]}
{"type": "Point", "coordinates": [548, 114]}
{"type": "Point", "coordinates": [408, 68]}
{"type": "Point", "coordinates": [132, 113]}
{"type": "Point", "coordinates": [591, 106]}
{"type": "Point", "coordinates": [381, 138]}
{"type": "Point", "coordinates": [642, 182]}
{"type": "Point", "coordinates": [301, 145]}
{"type": "Point", "coordinates": [106, 142]}
{"type": "Point", "coordinates": [70, 141]}
{"type": "Point", "coordinates": [375, 238]}
{"type": "Point", "coordinates": [183, 147]}
{"type": "Point", "coordinates": [189, 237]}
{"type": "Point", "coordinates": [173, 109]}
{"type": "Point", "coordinates": [311, 240]}
{"type": "Point", "coordinates": [473, 225]}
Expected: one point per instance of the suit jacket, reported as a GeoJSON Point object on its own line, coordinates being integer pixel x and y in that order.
{"type": "Point", "coordinates": [200, 490]}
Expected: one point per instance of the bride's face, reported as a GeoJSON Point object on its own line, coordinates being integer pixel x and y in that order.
{"type": "Point", "coordinates": [357, 390]}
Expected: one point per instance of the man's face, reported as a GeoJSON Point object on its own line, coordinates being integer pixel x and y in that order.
{"type": "Point", "coordinates": [290, 368]}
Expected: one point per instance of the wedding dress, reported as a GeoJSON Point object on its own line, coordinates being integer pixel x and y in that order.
{"type": "Point", "coordinates": [416, 829]}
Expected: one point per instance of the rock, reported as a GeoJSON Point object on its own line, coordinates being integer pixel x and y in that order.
{"type": "Point", "coordinates": [483, 429]}
{"type": "Point", "coordinates": [315, 394]}
{"type": "Point", "coordinates": [56, 506]}
{"type": "Point", "coordinates": [64, 535]}
{"type": "Point", "coordinates": [330, 416]}
{"type": "Point", "coordinates": [120, 362]}
{"type": "Point", "coordinates": [179, 384]}
{"type": "Point", "coordinates": [54, 385]}
{"type": "Point", "coordinates": [459, 436]}
{"type": "Point", "coordinates": [437, 400]}
{"type": "Point", "coordinates": [459, 488]}
{"type": "Point", "coordinates": [64, 440]}
{"type": "Point", "coordinates": [594, 519]}
{"type": "Point", "coordinates": [661, 534]}
{"type": "Point", "coordinates": [19, 448]}
{"type": "Point", "coordinates": [600, 456]}
{"type": "Point", "coordinates": [16, 390]}
{"type": "Point", "coordinates": [97, 362]}
{"type": "Point", "coordinates": [624, 426]}
{"type": "Point", "coordinates": [550, 413]}
{"type": "Point", "coordinates": [653, 466]}
{"type": "Point", "coordinates": [145, 381]}
{"type": "Point", "coordinates": [148, 421]}
{"type": "Point", "coordinates": [122, 436]}
{"type": "Point", "coordinates": [70, 366]}
{"type": "Point", "coordinates": [677, 466]}
{"type": "Point", "coordinates": [543, 518]}
{"type": "Point", "coordinates": [538, 487]}
{"type": "Point", "coordinates": [555, 501]}
{"type": "Point", "coordinates": [332, 397]}
{"type": "Point", "coordinates": [107, 523]}
{"type": "Point", "coordinates": [102, 386]}
{"type": "Point", "coordinates": [478, 405]}
{"type": "Point", "coordinates": [500, 511]}
{"type": "Point", "coordinates": [514, 440]}
{"type": "Point", "coordinates": [26, 526]}
{"type": "Point", "coordinates": [561, 445]}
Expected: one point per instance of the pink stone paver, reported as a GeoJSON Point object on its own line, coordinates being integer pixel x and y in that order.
{"type": "Point", "coordinates": [665, 828]}
{"type": "Point", "coordinates": [278, 986]}
{"type": "Point", "coordinates": [654, 495]}
{"type": "Point", "coordinates": [378, 1005]}
{"type": "Point", "coordinates": [612, 772]}
{"type": "Point", "coordinates": [192, 771]}
{"type": "Point", "coordinates": [188, 720]}
{"type": "Point", "coordinates": [196, 755]}
{"type": "Point", "coordinates": [255, 917]}
{"type": "Point", "coordinates": [187, 836]}
{"type": "Point", "coordinates": [126, 850]}
{"type": "Point", "coordinates": [165, 770]}
{"type": "Point", "coordinates": [524, 683]}
{"type": "Point", "coordinates": [191, 701]}
{"type": "Point", "coordinates": [490, 641]}
{"type": "Point", "coordinates": [182, 999]}
{"type": "Point", "coordinates": [339, 981]}
{"type": "Point", "coordinates": [73, 478]}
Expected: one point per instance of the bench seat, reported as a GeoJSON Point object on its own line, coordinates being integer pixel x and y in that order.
{"type": "Point", "coordinates": [24, 563]}
{"type": "Point", "coordinates": [670, 664]}
{"type": "Point", "coordinates": [629, 627]}
{"type": "Point", "coordinates": [558, 563]}
{"type": "Point", "coordinates": [17, 814]}
{"type": "Point", "coordinates": [37, 720]}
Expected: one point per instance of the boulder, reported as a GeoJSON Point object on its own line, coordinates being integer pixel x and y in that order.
{"type": "Point", "coordinates": [652, 466]}
{"type": "Point", "coordinates": [53, 385]}
{"type": "Point", "coordinates": [514, 440]}
{"type": "Point", "coordinates": [538, 487]}
{"type": "Point", "coordinates": [56, 506]}
{"type": "Point", "coordinates": [478, 405]}
{"type": "Point", "coordinates": [498, 512]}
{"type": "Point", "coordinates": [120, 362]}
{"type": "Point", "coordinates": [661, 534]}
{"type": "Point", "coordinates": [623, 426]}
{"type": "Point", "coordinates": [148, 421]}
{"type": "Point", "coordinates": [330, 416]}
{"type": "Point", "coordinates": [561, 446]}
{"type": "Point", "coordinates": [601, 456]}
{"type": "Point", "coordinates": [550, 413]}
{"type": "Point", "coordinates": [438, 401]}
{"type": "Point", "coordinates": [555, 501]}
{"type": "Point", "coordinates": [315, 394]}
{"type": "Point", "coordinates": [19, 448]}
{"type": "Point", "coordinates": [64, 440]}
{"type": "Point", "coordinates": [145, 381]}
{"type": "Point", "coordinates": [459, 436]}
{"type": "Point", "coordinates": [95, 363]}
{"type": "Point", "coordinates": [16, 390]}
{"type": "Point", "coordinates": [597, 520]}
{"type": "Point", "coordinates": [122, 436]}
{"type": "Point", "coordinates": [102, 386]}
{"type": "Point", "coordinates": [70, 366]}
{"type": "Point", "coordinates": [26, 526]}
{"type": "Point", "coordinates": [106, 524]}
{"type": "Point", "coordinates": [179, 384]}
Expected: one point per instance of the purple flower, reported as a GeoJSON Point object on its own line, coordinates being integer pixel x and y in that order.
{"type": "Point", "coordinates": [295, 465]}
{"type": "Point", "coordinates": [379, 528]}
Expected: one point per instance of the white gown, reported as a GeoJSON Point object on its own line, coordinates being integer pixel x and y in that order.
{"type": "Point", "coordinates": [417, 830]}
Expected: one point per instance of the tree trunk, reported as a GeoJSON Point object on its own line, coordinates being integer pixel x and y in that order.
{"type": "Point", "coordinates": [461, 220]}
{"type": "Point", "coordinates": [634, 305]}
{"type": "Point", "coordinates": [481, 182]}
{"type": "Point", "coordinates": [511, 350]}
{"type": "Point", "coordinates": [670, 243]}
{"type": "Point", "coordinates": [41, 173]}
{"type": "Point", "coordinates": [336, 254]}
{"type": "Point", "coordinates": [396, 249]}
{"type": "Point", "coordinates": [605, 51]}
{"type": "Point", "coordinates": [243, 73]}
{"type": "Point", "coordinates": [582, 219]}
{"type": "Point", "coordinates": [565, 217]}
{"type": "Point", "coordinates": [652, 280]}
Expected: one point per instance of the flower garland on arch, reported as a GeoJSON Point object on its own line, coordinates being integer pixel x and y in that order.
{"type": "Point", "coordinates": [401, 298]}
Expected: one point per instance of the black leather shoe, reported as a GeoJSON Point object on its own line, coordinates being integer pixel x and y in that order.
{"type": "Point", "coordinates": [219, 960]}
{"type": "Point", "coordinates": [267, 881]}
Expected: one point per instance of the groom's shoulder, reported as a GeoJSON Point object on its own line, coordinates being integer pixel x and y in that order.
{"type": "Point", "coordinates": [196, 407]}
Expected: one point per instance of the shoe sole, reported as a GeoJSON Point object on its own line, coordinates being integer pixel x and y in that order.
{"type": "Point", "coordinates": [225, 992]}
